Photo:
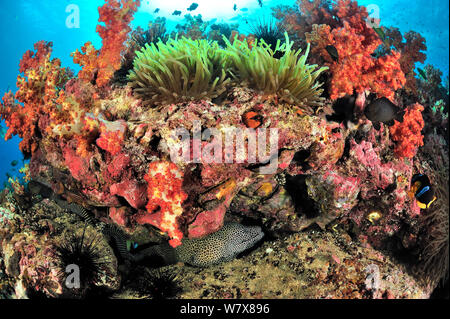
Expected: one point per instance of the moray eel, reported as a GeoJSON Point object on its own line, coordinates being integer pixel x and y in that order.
{"type": "Point", "coordinates": [221, 246]}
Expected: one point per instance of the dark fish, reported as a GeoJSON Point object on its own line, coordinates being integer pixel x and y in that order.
{"type": "Point", "coordinates": [235, 7]}
{"type": "Point", "coordinates": [331, 49]}
{"type": "Point", "coordinates": [156, 10]}
{"type": "Point", "coordinates": [383, 110]}
{"type": "Point", "coordinates": [8, 175]}
{"type": "Point", "coordinates": [344, 110]}
{"type": "Point", "coordinates": [176, 13]}
{"type": "Point", "coordinates": [14, 163]}
{"type": "Point", "coordinates": [260, 3]}
{"type": "Point", "coordinates": [198, 18]}
{"type": "Point", "coordinates": [422, 190]}
{"type": "Point", "coordinates": [422, 73]}
{"type": "Point", "coordinates": [192, 7]}
{"type": "Point", "coordinates": [380, 33]}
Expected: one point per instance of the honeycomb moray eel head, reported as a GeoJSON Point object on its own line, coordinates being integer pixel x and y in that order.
{"type": "Point", "coordinates": [223, 245]}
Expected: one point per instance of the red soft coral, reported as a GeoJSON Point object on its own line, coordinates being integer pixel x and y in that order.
{"type": "Point", "coordinates": [101, 64]}
{"type": "Point", "coordinates": [112, 136]}
{"type": "Point", "coordinates": [357, 70]}
{"type": "Point", "coordinates": [165, 196]}
{"type": "Point", "coordinates": [408, 133]}
{"type": "Point", "coordinates": [39, 89]}
{"type": "Point", "coordinates": [87, 59]}
{"type": "Point", "coordinates": [411, 50]}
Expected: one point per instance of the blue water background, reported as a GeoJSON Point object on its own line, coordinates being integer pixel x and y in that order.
{"type": "Point", "coordinates": [28, 21]}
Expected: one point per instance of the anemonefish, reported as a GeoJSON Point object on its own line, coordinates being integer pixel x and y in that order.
{"type": "Point", "coordinates": [422, 190]}
{"type": "Point", "coordinates": [252, 119]}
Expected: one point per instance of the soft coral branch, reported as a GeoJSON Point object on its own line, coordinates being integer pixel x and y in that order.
{"type": "Point", "coordinates": [408, 133]}
{"type": "Point", "coordinates": [356, 69]}
{"type": "Point", "coordinates": [100, 65]}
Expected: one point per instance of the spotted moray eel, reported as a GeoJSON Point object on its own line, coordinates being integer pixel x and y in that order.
{"type": "Point", "coordinates": [221, 246]}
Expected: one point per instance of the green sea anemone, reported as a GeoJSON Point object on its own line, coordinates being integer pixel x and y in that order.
{"type": "Point", "coordinates": [179, 70]}
{"type": "Point", "coordinates": [289, 77]}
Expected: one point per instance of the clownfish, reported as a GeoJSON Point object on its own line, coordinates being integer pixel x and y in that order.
{"type": "Point", "coordinates": [422, 190]}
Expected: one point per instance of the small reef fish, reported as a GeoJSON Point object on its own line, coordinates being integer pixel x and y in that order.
{"type": "Point", "coordinates": [3, 132]}
{"type": "Point", "coordinates": [332, 51]}
{"type": "Point", "coordinates": [381, 34]}
{"type": "Point", "coordinates": [260, 3]}
{"type": "Point", "coordinates": [192, 7]}
{"type": "Point", "coordinates": [252, 119]}
{"type": "Point", "coordinates": [244, 9]}
{"type": "Point", "coordinates": [215, 27]}
{"type": "Point", "coordinates": [198, 18]}
{"type": "Point", "coordinates": [235, 7]}
{"type": "Point", "coordinates": [384, 111]}
{"type": "Point", "coordinates": [131, 245]}
{"type": "Point", "coordinates": [176, 13]}
{"type": "Point", "coordinates": [344, 110]}
{"type": "Point", "coordinates": [156, 10]}
{"type": "Point", "coordinates": [422, 190]}
{"type": "Point", "coordinates": [14, 163]}
{"type": "Point", "coordinates": [422, 73]}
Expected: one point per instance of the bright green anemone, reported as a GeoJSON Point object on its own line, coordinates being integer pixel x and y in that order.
{"type": "Point", "coordinates": [289, 77]}
{"type": "Point", "coordinates": [185, 69]}
{"type": "Point", "coordinates": [179, 70]}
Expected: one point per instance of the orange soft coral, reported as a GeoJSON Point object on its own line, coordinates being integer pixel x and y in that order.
{"type": "Point", "coordinates": [39, 89]}
{"type": "Point", "coordinates": [408, 133]}
{"type": "Point", "coordinates": [164, 192]}
{"type": "Point", "coordinates": [356, 70]}
{"type": "Point", "coordinates": [112, 136]}
{"type": "Point", "coordinates": [87, 59]}
{"type": "Point", "coordinates": [101, 64]}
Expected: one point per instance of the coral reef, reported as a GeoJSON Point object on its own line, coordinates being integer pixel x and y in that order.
{"type": "Point", "coordinates": [159, 142]}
